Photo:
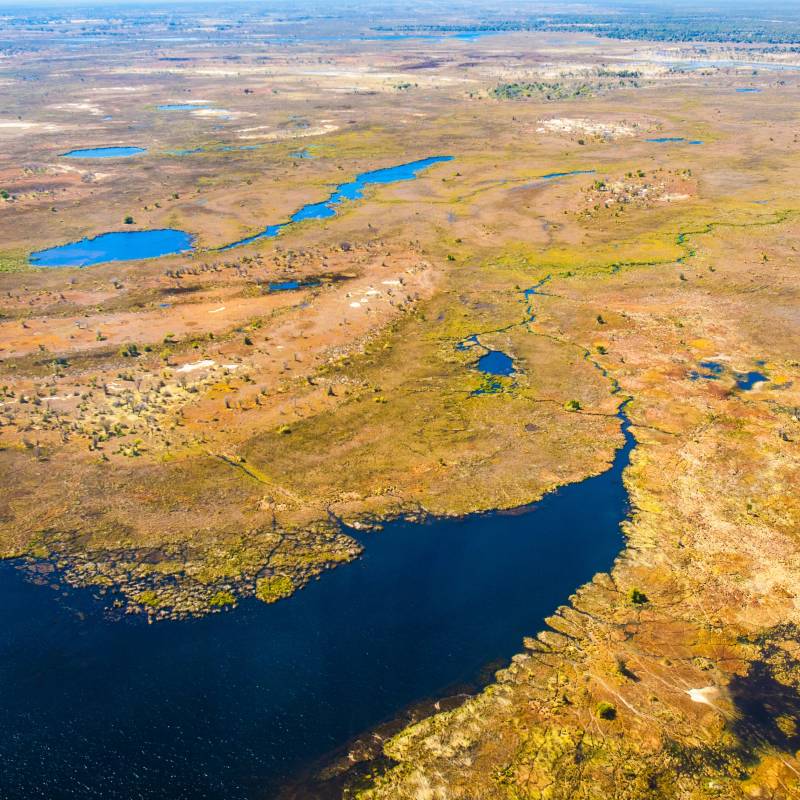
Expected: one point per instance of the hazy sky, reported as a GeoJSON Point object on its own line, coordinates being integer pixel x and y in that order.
{"type": "Point", "coordinates": [753, 8]}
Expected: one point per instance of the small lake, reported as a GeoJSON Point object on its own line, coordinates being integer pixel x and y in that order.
{"type": "Point", "coordinates": [117, 246]}
{"type": "Point", "coordinates": [224, 707]}
{"type": "Point", "coordinates": [496, 362]}
{"type": "Point", "coordinates": [105, 152]}
{"type": "Point", "coordinates": [711, 370]}
{"type": "Point", "coordinates": [749, 380]}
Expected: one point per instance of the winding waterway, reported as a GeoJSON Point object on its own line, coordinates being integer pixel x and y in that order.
{"type": "Point", "coordinates": [352, 190]}
{"type": "Point", "coordinates": [131, 245]}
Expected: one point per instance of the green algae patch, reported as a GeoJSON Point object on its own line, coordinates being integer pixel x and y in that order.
{"type": "Point", "coordinates": [270, 590]}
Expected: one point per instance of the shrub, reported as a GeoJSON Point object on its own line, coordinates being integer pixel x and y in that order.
{"type": "Point", "coordinates": [637, 597]}
{"type": "Point", "coordinates": [130, 350]}
{"type": "Point", "coordinates": [606, 710]}
{"type": "Point", "coordinates": [221, 598]}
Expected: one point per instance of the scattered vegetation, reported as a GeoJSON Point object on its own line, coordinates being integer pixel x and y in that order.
{"type": "Point", "coordinates": [274, 588]}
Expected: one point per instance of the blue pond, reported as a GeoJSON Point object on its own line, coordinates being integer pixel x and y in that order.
{"type": "Point", "coordinates": [182, 106]}
{"type": "Point", "coordinates": [346, 191]}
{"type": "Point", "coordinates": [224, 707]}
{"type": "Point", "coordinates": [105, 152]}
{"type": "Point", "coordinates": [711, 371]}
{"type": "Point", "coordinates": [118, 246]}
{"type": "Point", "coordinates": [748, 90]}
{"type": "Point", "coordinates": [747, 380]}
{"type": "Point", "coordinates": [495, 362]}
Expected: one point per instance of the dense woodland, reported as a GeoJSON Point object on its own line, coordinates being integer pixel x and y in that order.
{"type": "Point", "coordinates": [764, 26]}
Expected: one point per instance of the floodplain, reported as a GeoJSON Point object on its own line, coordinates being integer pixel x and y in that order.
{"type": "Point", "coordinates": [415, 280]}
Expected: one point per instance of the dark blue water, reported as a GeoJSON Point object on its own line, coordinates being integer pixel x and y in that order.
{"type": "Point", "coordinates": [709, 370]}
{"type": "Point", "coordinates": [222, 707]}
{"type": "Point", "coordinates": [747, 380]}
{"type": "Point", "coordinates": [346, 191]}
{"type": "Point", "coordinates": [495, 362]}
{"type": "Point", "coordinates": [105, 152]}
{"type": "Point", "coordinates": [118, 246]}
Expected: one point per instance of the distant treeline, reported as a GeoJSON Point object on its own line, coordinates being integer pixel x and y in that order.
{"type": "Point", "coordinates": [650, 26]}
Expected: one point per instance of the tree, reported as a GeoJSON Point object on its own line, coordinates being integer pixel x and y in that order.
{"type": "Point", "coordinates": [637, 597]}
